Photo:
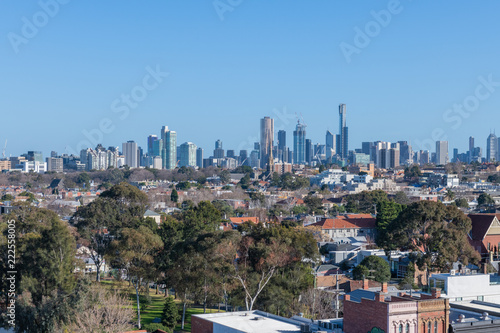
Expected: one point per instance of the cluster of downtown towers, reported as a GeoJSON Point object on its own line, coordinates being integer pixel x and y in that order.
{"type": "Point", "coordinates": [163, 152]}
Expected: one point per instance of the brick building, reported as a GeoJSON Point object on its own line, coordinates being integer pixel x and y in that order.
{"type": "Point", "coordinates": [485, 233]}
{"type": "Point", "coordinates": [366, 310]}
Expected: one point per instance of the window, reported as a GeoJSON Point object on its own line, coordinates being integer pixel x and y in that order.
{"type": "Point", "coordinates": [436, 327]}
{"type": "Point", "coordinates": [400, 328]}
{"type": "Point", "coordinates": [458, 299]}
{"type": "Point", "coordinates": [407, 328]}
{"type": "Point", "coordinates": [480, 298]}
{"type": "Point", "coordinates": [429, 327]}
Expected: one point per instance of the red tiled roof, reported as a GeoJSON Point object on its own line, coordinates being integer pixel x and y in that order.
{"type": "Point", "coordinates": [239, 220]}
{"type": "Point", "coordinates": [480, 224]}
{"type": "Point", "coordinates": [342, 222]}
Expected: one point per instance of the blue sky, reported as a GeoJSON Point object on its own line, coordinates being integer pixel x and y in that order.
{"type": "Point", "coordinates": [228, 68]}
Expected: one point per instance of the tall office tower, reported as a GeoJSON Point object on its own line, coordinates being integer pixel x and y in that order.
{"type": "Point", "coordinates": [169, 151]}
{"type": "Point", "coordinates": [54, 164]}
{"type": "Point", "coordinates": [53, 154]}
{"type": "Point", "coordinates": [188, 154]}
{"type": "Point", "coordinates": [157, 148]}
{"type": "Point", "coordinates": [218, 151]}
{"type": "Point", "coordinates": [394, 155]}
{"type": "Point", "coordinates": [330, 146]}
{"type": "Point", "coordinates": [492, 148]}
{"type": "Point", "coordinates": [199, 158]}
{"type": "Point", "coordinates": [266, 139]}
{"type": "Point", "coordinates": [441, 152]}
{"type": "Point", "coordinates": [471, 148]}
{"type": "Point", "coordinates": [455, 155]}
{"type": "Point", "coordinates": [405, 153]}
{"type": "Point", "coordinates": [282, 156]}
{"type": "Point", "coordinates": [230, 153]}
{"type": "Point", "coordinates": [343, 142]}
{"type": "Point", "coordinates": [129, 149]}
{"type": "Point", "coordinates": [309, 151]}
{"type": "Point", "coordinates": [299, 144]}
{"type": "Point", "coordinates": [35, 156]}
{"type": "Point", "coordinates": [151, 140]}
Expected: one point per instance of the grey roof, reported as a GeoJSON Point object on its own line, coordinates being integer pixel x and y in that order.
{"type": "Point", "coordinates": [151, 213]}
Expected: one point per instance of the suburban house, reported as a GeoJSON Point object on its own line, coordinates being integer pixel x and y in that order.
{"type": "Point", "coordinates": [155, 216]}
{"type": "Point", "coordinates": [349, 225]}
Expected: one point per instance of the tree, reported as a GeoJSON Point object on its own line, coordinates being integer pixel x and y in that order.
{"type": "Point", "coordinates": [373, 268]}
{"type": "Point", "coordinates": [134, 252]}
{"type": "Point", "coordinates": [387, 212]}
{"type": "Point", "coordinates": [450, 194]}
{"type": "Point", "coordinates": [364, 202]}
{"type": "Point", "coordinates": [494, 178]}
{"type": "Point", "coordinates": [122, 206]}
{"type": "Point", "coordinates": [436, 231]}
{"type": "Point", "coordinates": [45, 252]}
{"type": "Point", "coordinates": [7, 197]}
{"type": "Point", "coordinates": [170, 315]}
{"type": "Point", "coordinates": [225, 176]}
{"type": "Point", "coordinates": [401, 198]}
{"type": "Point", "coordinates": [102, 310]}
{"type": "Point", "coordinates": [462, 203]}
{"type": "Point", "coordinates": [202, 218]}
{"type": "Point", "coordinates": [485, 199]}
{"type": "Point", "coordinates": [174, 196]}
{"type": "Point", "coordinates": [83, 179]}
{"type": "Point", "coordinates": [264, 252]}
{"type": "Point", "coordinates": [412, 172]}
{"type": "Point", "coordinates": [314, 204]}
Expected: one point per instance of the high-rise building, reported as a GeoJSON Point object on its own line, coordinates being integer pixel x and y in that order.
{"type": "Point", "coordinates": [282, 154]}
{"type": "Point", "coordinates": [129, 150]}
{"type": "Point", "coordinates": [151, 140]}
{"type": "Point", "coordinates": [309, 151]}
{"type": "Point", "coordinates": [169, 151]}
{"type": "Point", "coordinates": [405, 153]}
{"type": "Point", "coordinates": [54, 164]}
{"type": "Point", "coordinates": [188, 154]}
{"type": "Point", "coordinates": [343, 136]}
{"type": "Point", "coordinates": [492, 148]}
{"type": "Point", "coordinates": [442, 153]}
{"type": "Point", "coordinates": [218, 151]}
{"type": "Point", "coordinates": [299, 144]}
{"type": "Point", "coordinates": [35, 156]}
{"type": "Point", "coordinates": [330, 146]}
{"type": "Point", "coordinates": [199, 157]}
{"type": "Point", "coordinates": [266, 139]}
{"type": "Point", "coordinates": [244, 157]}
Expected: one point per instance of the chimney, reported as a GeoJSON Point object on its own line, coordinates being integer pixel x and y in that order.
{"type": "Point", "coordinates": [347, 297]}
{"type": "Point", "coordinates": [384, 287]}
{"type": "Point", "coordinates": [436, 292]}
{"type": "Point", "coordinates": [365, 284]}
{"type": "Point", "coordinates": [380, 297]}
{"type": "Point", "coordinates": [484, 268]}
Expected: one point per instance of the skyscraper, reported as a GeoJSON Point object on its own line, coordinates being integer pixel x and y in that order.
{"type": "Point", "coordinates": [169, 151]}
{"type": "Point", "coordinates": [266, 139]}
{"type": "Point", "coordinates": [343, 136]}
{"type": "Point", "coordinates": [199, 157]}
{"type": "Point", "coordinates": [299, 143]}
{"type": "Point", "coordinates": [330, 145]}
{"type": "Point", "coordinates": [492, 148]}
{"type": "Point", "coordinates": [442, 152]}
{"type": "Point", "coordinates": [282, 153]}
{"type": "Point", "coordinates": [309, 151]}
{"type": "Point", "coordinates": [218, 151]}
{"type": "Point", "coordinates": [129, 149]}
{"type": "Point", "coordinates": [188, 154]}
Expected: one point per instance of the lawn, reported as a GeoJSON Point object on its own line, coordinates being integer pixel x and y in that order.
{"type": "Point", "coordinates": [155, 309]}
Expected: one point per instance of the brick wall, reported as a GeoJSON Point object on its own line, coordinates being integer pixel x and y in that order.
{"type": "Point", "coordinates": [362, 317]}
{"type": "Point", "coordinates": [200, 325]}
